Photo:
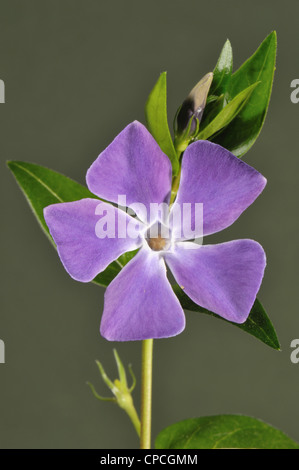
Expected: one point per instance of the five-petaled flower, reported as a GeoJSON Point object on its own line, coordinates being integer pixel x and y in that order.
{"type": "Point", "coordinates": [139, 302]}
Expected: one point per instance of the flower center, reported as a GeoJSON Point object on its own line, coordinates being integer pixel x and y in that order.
{"type": "Point", "coordinates": [157, 243]}
{"type": "Point", "coordinates": [158, 237]}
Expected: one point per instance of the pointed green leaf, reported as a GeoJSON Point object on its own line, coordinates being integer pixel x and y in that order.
{"type": "Point", "coordinates": [218, 98]}
{"type": "Point", "coordinates": [126, 257]}
{"type": "Point", "coordinates": [157, 123]}
{"type": "Point", "coordinates": [257, 324]}
{"type": "Point", "coordinates": [243, 131]}
{"type": "Point", "coordinates": [43, 187]}
{"type": "Point", "coordinates": [223, 70]}
{"type": "Point", "coordinates": [223, 432]}
{"type": "Point", "coordinates": [227, 114]}
{"type": "Point", "coordinates": [121, 370]}
{"type": "Point", "coordinates": [103, 279]}
{"type": "Point", "coordinates": [212, 109]}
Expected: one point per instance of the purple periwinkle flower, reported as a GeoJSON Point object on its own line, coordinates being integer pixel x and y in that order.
{"type": "Point", "coordinates": [139, 302]}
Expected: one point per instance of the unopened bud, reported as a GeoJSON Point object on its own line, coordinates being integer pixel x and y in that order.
{"type": "Point", "coordinates": [194, 105]}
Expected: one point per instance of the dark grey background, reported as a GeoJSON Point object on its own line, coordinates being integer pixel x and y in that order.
{"type": "Point", "coordinates": [76, 72]}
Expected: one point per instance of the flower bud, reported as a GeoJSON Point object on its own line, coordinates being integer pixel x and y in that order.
{"type": "Point", "coordinates": [190, 113]}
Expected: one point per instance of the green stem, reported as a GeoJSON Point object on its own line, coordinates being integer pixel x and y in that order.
{"type": "Point", "coordinates": [175, 186]}
{"type": "Point", "coordinates": [132, 413]}
{"type": "Point", "coordinates": [146, 393]}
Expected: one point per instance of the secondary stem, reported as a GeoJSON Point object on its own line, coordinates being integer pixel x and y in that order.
{"type": "Point", "coordinates": [134, 418]}
{"type": "Point", "coordinates": [175, 187]}
{"type": "Point", "coordinates": [146, 393]}
{"type": "Point", "coordinates": [175, 181]}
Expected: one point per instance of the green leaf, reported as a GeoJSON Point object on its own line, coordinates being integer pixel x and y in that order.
{"type": "Point", "coordinates": [227, 114]}
{"type": "Point", "coordinates": [257, 324]}
{"type": "Point", "coordinates": [157, 123]}
{"type": "Point", "coordinates": [222, 73]}
{"type": "Point", "coordinates": [212, 99]}
{"type": "Point", "coordinates": [243, 131]}
{"type": "Point", "coordinates": [223, 432]}
{"type": "Point", "coordinates": [126, 257]}
{"type": "Point", "coordinates": [223, 70]}
{"type": "Point", "coordinates": [43, 187]}
{"type": "Point", "coordinates": [103, 279]}
{"type": "Point", "coordinates": [212, 109]}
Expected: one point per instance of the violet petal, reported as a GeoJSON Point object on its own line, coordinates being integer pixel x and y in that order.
{"type": "Point", "coordinates": [223, 278]}
{"type": "Point", "coordinates": [223, 183]}
{"type": "Point", "coordinates": [132, 165]}
{"type": "Point", "coordinates": [73, 226]}
{"type": "Point", "coordinates": [140, 303]}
